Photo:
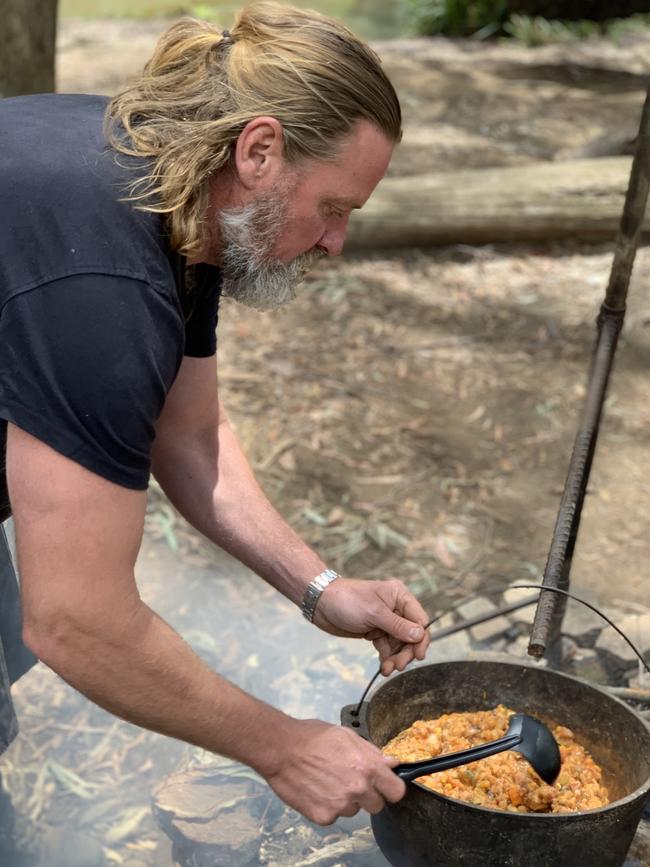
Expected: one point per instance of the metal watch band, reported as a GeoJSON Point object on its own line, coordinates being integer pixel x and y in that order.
{"type": "Point", "coordinates": [313, 592]}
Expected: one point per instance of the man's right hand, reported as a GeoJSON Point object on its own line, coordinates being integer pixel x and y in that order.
{"type": "Point", "coordinates": [326, 771]}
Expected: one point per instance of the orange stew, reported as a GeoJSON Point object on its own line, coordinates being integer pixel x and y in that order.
{"type": "Point", "coordinates": [505, 781]}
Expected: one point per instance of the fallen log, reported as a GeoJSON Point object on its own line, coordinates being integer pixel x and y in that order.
{"type": "Point", "coordinates": [580, 200]}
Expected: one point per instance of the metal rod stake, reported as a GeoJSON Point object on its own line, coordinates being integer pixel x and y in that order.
{"type": "Point", "coordinates": [550, 610]}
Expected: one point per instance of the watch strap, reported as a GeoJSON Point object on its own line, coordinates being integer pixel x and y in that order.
{"type": "Point", "coordinates": [313, 592]}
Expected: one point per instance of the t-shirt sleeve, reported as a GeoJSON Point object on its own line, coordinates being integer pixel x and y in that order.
{"type": "Point", "coordinates": [85, 366]}
{"type": "Point", "coordinates": [200, 328]}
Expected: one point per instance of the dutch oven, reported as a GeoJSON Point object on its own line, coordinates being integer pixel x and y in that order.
{"type": "Point", "coordinates": [426, 829]}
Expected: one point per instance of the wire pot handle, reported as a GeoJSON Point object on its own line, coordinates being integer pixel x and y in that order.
{"type": "Point", "coordinates": [542, 589]}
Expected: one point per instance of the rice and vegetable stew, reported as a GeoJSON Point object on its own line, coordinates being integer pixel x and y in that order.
{"type": "Point", "coordinates": [505, 781]}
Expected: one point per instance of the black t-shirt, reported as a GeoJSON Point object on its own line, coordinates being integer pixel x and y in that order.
{"type": "Point", "coordinates": [95, 316]}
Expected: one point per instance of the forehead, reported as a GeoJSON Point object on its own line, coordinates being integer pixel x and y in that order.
{"type": "Point", "coordinates": [350, 178]}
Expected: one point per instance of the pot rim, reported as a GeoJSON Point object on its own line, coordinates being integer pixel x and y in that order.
{"type": "Point", "coordinates": [643, 789]}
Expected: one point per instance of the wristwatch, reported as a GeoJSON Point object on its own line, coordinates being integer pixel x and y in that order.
{"type": "Point", "coordinates": [314, 590]}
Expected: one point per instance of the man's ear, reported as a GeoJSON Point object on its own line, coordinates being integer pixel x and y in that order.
{"type": "Point", "coordinates": [259, 153]}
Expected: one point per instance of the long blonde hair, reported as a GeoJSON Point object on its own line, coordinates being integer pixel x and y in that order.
{"type": "Point", "coordinates": [201, 87]}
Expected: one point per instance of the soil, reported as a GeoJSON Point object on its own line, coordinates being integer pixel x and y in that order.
{"type": "Point", "coordinates": [413, 414]}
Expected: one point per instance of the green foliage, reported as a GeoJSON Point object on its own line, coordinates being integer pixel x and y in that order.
{"type": "Point", "coordinates": [619, 28]}
{"type": "Point", "coordinates": [457, 17]}
{"type": "Point", "coordinates": [533, 30]}
{"type": "Point", "coordinates": [482, 19]}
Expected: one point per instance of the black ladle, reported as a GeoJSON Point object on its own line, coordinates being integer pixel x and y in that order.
{"type": "Point", "coordinates": [525, 734]}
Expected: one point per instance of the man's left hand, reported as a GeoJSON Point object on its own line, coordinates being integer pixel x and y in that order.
{"type": "Point", "coordinates": [383, 612]}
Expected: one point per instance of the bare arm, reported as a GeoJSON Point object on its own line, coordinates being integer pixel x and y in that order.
{"type": "Point", "coordinates": [78, 536]}
{"type": "Point", "coordinates": [202, 469]}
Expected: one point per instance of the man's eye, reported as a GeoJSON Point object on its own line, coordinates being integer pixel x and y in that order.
{"type": "Point", "coordinates": [331, 211]}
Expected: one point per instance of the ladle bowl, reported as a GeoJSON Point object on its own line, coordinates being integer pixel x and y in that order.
{"type": "Point", "coordinates": [525, 734]}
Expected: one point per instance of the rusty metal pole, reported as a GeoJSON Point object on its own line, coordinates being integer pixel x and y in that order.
{"type": "Point", "coordinates": [546, 632]}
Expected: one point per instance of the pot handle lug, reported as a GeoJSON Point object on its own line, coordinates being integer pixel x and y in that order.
{"type": "Point", "coordinates": [356, 721]}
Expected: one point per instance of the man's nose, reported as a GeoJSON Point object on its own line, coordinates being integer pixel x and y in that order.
{"type": "Point", "coordinates": [332, 240]}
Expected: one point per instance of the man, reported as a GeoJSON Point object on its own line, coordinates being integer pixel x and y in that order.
{"type": "Point", "coordinates": [228, 166]}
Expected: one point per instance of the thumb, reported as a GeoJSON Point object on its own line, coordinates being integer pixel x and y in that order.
{"type": "Point", "coordinates": [398, 627]}
{"type": "Point", "coordinates": [391, 761]}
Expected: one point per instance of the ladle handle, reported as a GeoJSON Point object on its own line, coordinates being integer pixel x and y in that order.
{"type": "Point", "coordinates": [411, 770]}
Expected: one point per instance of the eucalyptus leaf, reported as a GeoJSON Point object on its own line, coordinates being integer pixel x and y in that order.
{"type": "Point", "coordinates": [127, 825]}
{"type": "Point", "coordinates": [314, 517]}
{"type": "Point", "coordinates": [71, 781]}
{"type": "Point", "coordinates": [385, 537]}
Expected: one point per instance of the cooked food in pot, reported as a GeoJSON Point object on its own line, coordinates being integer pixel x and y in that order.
{"type": "Point", "coordinates": [505, 781]}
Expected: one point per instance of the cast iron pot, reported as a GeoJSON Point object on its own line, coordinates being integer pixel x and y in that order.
{"type": "Point", "coordinates": [426, 829]}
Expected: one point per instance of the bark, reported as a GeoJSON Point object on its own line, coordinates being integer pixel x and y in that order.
{"type": "Point", "coordinates": [582, 200]}
{"type": "Point", "coordinates": [27, 37]}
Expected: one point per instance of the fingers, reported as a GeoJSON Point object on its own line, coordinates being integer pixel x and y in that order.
{"type": "Point", "coordinates": [387, 648]}
{"type": "Point", "coordinates": [348, 812]}
{"type": "Point", "coordinates": [397, 661]}
{"type": "Point", "coordinates": [402, 636]}
{"type": "Point", "coordinates": [374, 634]}
{"type": "Point", "coordinates": [388, 788]}
{"type": "Point", "coordinates": [403, 658]}
{"type": "Point", "coordinates": [402, 617]}
{"type": "Point", "coordinates": [371, 797]}
{"type": "Point", "coordinates": [411, 608]}
{"type": "Point", "coordinates": [388, 784]}
{"type": "Point", "coordinates": [397, 627]}
{"type": "Point", "coordinates": [372, 802]}
{"type": "Point", "coordinates": [329, 771]}
{"type": "Point", "coordinates": [403, 654]}
{"type": "Point", "coordinates": [398, 597]}
{"type": "Point", "coordinates": [394, 655]}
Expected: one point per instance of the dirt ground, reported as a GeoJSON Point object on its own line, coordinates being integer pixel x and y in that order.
{"type": "Point", "coordinates": [413, 414]}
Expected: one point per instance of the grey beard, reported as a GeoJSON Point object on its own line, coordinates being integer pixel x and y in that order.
{"type": "Point", "coordinates": [249, 274]}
